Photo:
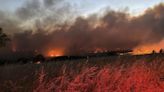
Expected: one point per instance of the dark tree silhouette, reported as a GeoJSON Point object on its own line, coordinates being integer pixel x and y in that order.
{"type": "Point", "coordinates": [161, 51]}
{"type": "Point", "coordinates": [153, 52]}
{"type": "Point", "coordinates": [3, 38]}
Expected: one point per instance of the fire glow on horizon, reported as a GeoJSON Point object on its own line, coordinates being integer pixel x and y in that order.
{"type": "Point", "coordinates": [147, 49]}
{"type": "Point", "coordinates": [107, 30]}
{"type": "Point", "coordinates": [55, 53]}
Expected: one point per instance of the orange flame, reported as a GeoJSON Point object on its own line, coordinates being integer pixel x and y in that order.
{"type": "Point", "coordinates": [147, 49]}
{"type": "Point", "coordinates": [55, 53]}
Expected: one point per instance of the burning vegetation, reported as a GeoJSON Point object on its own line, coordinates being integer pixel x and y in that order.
{"type": "Point", "coordinates": [55, 53]}
{"type": "Point", "coordinates": [110, 31]}
{"type": "Point", "coordinates": [111, 51]}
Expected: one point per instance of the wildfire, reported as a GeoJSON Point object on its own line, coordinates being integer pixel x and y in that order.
{"type": "Point", "coordinates": [96, 50]}
{"type": "Point", "coordinates": [146, 49]}
{"type": "Point", "coordinates": [143, 50]}
{"type": "Point", "coordinates": [55, 53]}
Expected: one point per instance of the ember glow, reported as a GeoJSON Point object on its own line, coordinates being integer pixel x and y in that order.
{"type": "Point", "coordinates": [55, 53]}
{"type": "Point", "coordinates": [147, 49]}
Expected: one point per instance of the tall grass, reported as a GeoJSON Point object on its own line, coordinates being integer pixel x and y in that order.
{"type": "Point", "coordinates": [136, 78]}
{"type": "Point", "coordinates": [125, 74]}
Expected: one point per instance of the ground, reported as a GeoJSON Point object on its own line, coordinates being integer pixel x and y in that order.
{"type": "Point", "coordinates": [142, 73]}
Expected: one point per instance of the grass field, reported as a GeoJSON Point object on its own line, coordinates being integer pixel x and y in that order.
{"type": "Point", "coordinates": [144, 73]}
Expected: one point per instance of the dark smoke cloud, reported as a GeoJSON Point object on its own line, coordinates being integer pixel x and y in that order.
{"type": "Point", "coordinates": [9, 23]}
{"type": "Point", "coordinates": [111, 31]}
{"type": "Point", "coordinates": [29, 10]}
{"type": "Point", "coordinates": [50, 3]}
{"type": "Point", "coordinates": [48, 12]}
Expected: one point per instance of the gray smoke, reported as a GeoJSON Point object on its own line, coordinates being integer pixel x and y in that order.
{"type": "Point", "coordinates": [112, 30]}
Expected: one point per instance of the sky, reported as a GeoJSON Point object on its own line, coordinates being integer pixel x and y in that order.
{"type": "Point", "coordinates": [10, 5]}
{"type": "Point", "coordinates": [135, 7]}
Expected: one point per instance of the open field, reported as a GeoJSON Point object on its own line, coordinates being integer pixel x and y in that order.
{"type": "Point", "coordinates": [143, 73]}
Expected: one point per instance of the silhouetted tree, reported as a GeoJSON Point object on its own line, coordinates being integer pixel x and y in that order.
{"type": "Point", "coordinates": [161, 51]}
{"type": "Point", "coordinates": [153, 52]}
{"type": "Point", "coordinates": [3, 38]}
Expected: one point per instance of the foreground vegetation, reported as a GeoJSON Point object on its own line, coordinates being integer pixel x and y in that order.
{"type": "Point", "coordinates": [105, 74]}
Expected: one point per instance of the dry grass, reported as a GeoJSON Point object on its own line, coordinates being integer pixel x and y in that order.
{"type": "Point", "coordinates": [109, 74]}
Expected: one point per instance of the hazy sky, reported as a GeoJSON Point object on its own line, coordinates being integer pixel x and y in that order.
{"type": "Point", "coordinates": [88, 6]}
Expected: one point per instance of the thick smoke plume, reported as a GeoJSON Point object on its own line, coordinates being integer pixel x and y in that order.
{"type": "Point", "coordinates": [111, 30]}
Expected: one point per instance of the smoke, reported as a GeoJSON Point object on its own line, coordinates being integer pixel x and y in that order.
{"type": "Point", "coordinates": [9, 23]}
{"type": "Point", "coordinates": [111, 30]}
{"type": "Point", "coordinates": [44, 13]}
